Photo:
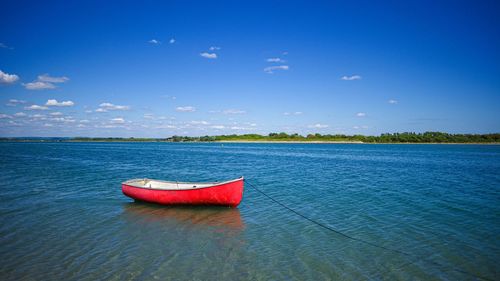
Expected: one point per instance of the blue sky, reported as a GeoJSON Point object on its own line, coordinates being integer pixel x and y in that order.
{"type": "Point", "coordinates": [158, 68]}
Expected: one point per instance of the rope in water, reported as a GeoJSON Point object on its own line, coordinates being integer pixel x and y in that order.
{"type": "Point", "coordinates": [361, 240]}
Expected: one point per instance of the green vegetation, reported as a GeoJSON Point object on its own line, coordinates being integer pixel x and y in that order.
{"type": "Point", "coordinates": [427, 137]}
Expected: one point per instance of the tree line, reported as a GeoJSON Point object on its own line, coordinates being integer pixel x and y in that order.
{"type": "Point", "coordinates": [407, 137]}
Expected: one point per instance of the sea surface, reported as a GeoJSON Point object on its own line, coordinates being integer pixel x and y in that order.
{"type": "Point", "coordinates": [416, 212]}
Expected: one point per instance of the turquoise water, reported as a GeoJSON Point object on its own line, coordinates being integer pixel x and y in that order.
{"type": "Point", "coordinates": [63, 216]}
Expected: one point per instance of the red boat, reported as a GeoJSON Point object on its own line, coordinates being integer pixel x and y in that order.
{"type": "Point", "coordinates": [228, 193]}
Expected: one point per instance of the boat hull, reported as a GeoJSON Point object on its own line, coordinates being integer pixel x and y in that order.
{"type": "Point", "coordinates": [225, 194]}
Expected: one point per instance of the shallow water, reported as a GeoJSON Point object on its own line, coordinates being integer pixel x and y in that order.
{"type": "Point", "coordinates": [63, 216]}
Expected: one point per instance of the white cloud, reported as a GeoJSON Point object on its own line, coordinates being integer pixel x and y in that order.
{"type": "Point", "coordinates": [214, 48]}
{"type": "Point", "coordinates": [39, 85]}
{"type": "Point", "coordinates": [56, 114]}
{"type": "Point", "coordinates": [56, 103]}
{"type": "Point", "coordinates": [350, 78]}
{"type": "Point", "coordinates": [293, 113]}
{"type": "Point", "coordinates": [36, 107]}
{"type": "Point", "coordinates": [63, 119]}
{"type": "Point", "coordinates": [105, 106]}
{"type": "Point", "coordinates": [84, 121]}
{"type": "Point", "coordinates": [185, 109]}
{"type": "Point", "coordinates": [233, 111]}
{"type": "Point", "coordinates": [48, 125]}
{"type": "Point", "coordinates": [275, 60]}
{"type": "Point", "coordinates": [20, 114]}
{"type": "Point", "coordinates": [17, 101]}
{"type": "Point", "coordinates": [318, 126]}
{"type": "Point", "coordinates": [209, 55]}
{"type": "Point", "coordinates": [5, 116]}
{"type": "Point", "coordinates": [199, 122]}
{"type": "Point", "coordinates": [271, 69]}
{"type": "Point", "coordinates": [228, 111]}
{"type": "Point", "coordinates": [218, 127]}
{"type": "Point", "coordinates": [38, 116]}
{"type": "Point", "coordinates": [166, 126]}
{"type": "Point", "coordinates": [45, 81]}
{"type": "Point", "coordinates": [14, 102]}
{"type": "Point", "coordinates": [6, 78]}
{"type": "Point", "coordinates": [238, 128]}
{"type": "Point", "coordinates": [171, 41]}
{"type": "Point", "coordinates": [47, 78]}
{"type": "Point", "coordinates": [106, 126]}
{"type": "Point", "coordinates": [392, 101]}
{"type": "Point", "coordinates": [154, 42]}
{"type": "Point", "coordinates": [360, 127]}
{"type": "Point", "coordinates": [360, 114]}
{"type": "Point", "coordinates": [117, 120]}
{"type": "Point", "coordinates": [165, 118]}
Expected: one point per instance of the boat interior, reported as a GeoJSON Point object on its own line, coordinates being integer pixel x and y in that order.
{"type": "Point", "coordinates": [168, 185]}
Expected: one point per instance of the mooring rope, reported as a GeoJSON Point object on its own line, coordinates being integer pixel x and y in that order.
{"type": "Point", "coordinates": [364, 241]}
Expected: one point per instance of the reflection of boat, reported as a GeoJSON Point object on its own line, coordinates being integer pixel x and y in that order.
{"type": "Point", "coordinates": [228, 193]}
{"type": "Point", "coordinates": [201, 215]}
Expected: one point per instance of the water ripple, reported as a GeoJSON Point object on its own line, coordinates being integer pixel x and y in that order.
{"type": "Point", "coordinates": [63, 215]}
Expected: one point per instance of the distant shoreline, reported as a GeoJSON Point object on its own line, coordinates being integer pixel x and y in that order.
{"type": "Point", "coordinates": [239, 141]}
{"type": "Point", "coordinates": [356, 142]}
{"type": "Point", "coordinates": [395, 138]}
